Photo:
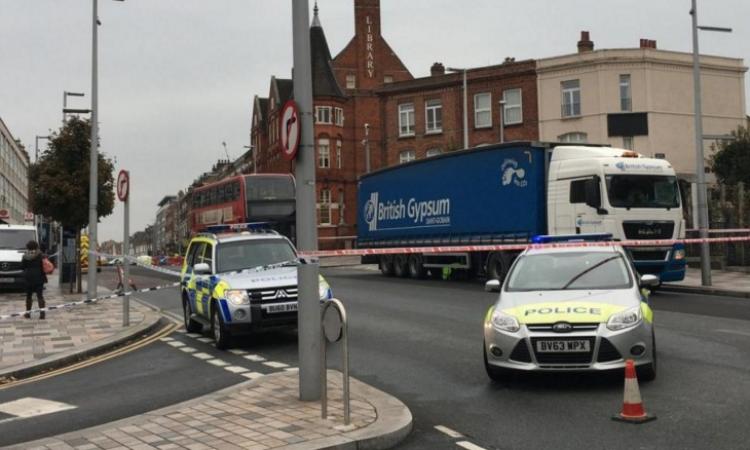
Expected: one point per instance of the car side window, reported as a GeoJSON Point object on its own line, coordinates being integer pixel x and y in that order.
{"type": "Point", "coordinates": [191, 255]}
{"type": "Point", "coordinates": [208, 256]}
{"type": "Point", "coordinates": [196, 257]}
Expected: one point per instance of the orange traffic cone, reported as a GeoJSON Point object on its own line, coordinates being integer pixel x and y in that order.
{"type": "Point", "coordinates": [632, 406]}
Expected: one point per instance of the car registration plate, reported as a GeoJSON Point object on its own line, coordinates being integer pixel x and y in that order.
{"type": "Point", "coordinates": [7, 280]}
{"type": "Point", "coordinates": [569, 346]}
{"type": "Point", "coordinates": [281, 308]}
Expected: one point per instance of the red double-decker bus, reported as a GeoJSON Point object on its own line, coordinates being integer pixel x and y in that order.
{"type": "Point", "coordinates": [246, 198]}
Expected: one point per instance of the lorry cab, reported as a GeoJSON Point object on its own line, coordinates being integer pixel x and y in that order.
{"type": "Point", "coordinates": [618, 191]}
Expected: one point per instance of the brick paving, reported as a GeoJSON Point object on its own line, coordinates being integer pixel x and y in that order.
{"type": "Point", "coordinates": [721, 279]}
{"type": "Point", "coordinates": [26, 340]}
{"type": "Point", "coordinates": [257, 415]}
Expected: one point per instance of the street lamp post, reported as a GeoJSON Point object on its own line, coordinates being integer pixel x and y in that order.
{"type": "Point", "coordinates": [502, 120]}
{"type": "Point", "coordinates": [700, 173]}
{"type": "Point", "coordinates": [466, 105]}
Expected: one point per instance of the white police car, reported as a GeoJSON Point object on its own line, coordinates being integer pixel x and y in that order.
{"type": "Point", "coordinates": [570, 309]}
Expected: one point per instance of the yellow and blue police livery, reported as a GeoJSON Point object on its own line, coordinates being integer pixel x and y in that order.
{"type": "Point", "coordinates": [238, 279]}
{"type": "Point", "coordinates": [570, 309]}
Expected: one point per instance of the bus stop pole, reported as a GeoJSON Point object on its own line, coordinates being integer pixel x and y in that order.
{"type": "Point", "coordinates": [307, 233]}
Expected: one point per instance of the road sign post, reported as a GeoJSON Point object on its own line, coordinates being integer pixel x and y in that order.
{"type": "Point", "coordinates": [123, 193]}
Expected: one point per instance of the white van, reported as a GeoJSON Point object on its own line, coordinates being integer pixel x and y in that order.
{"type": "Point", "coordinates": [13, 239]}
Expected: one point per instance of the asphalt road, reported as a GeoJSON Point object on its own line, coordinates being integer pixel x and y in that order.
{"type": "Point", "coordinates": [421, 341]}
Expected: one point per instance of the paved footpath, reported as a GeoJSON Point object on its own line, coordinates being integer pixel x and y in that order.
{"type": "Point", "coordinates": [723, 282]}
{"type": "Point", "coordinates": [29, 346]}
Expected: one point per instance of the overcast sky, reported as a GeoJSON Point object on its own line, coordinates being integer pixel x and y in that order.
{"type": "Point", "coordinates": [177, 77]}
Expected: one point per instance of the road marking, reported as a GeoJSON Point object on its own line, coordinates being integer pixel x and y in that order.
{"type": "Point", "coordinates": [217, 362]}
{"type": "Point", "coordinates": [236, 369]}
{"type": "Point", "coordinates": [166, 339]}
{"type": "Point", "coordinates": [292, 369]}
{"type": "Point", "coordinates": [737, 332]}
{"type": "Point", "coordinates": [254, 358]}
{"type": "Point", "coordinates": [445, 430]}
{"type": "Point", "coordinates": [202, 355]}
{"type": "Point", "coordinates": [193, 335]}
{"type": "Point", "coordinates": [275, 365]}
{"type": "Point", "coordinates": [205, 340]}
{"type": "Point", "coordinates": [238, 352]}
{"type": "Point", "coordinates": [469, 446]}
{"type": "Point", "coordinates": [25, 408]}
{"type": "Point", "coordinates": [188, 349]}
{"type": "Point", "coordinates": [176, 344]}
{"type": "Point", "coordinates": [252, 375]}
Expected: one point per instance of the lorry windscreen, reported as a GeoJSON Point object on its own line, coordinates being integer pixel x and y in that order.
{"type": "Point", "coordinates": [16, 239]}
{"type": "Point", "coordinates": [643, 191]}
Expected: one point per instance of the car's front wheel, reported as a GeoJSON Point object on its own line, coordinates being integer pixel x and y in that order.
{"type": "Point", "coordinates": [647, 372]}
{"type": "Point", "coordinates": [219, 331]}
{"type": "Point", "coordinates": [497, 374]}
{"type": "Point", "coordinates": [191, 326]}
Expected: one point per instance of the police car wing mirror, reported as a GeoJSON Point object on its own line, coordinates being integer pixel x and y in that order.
{"type": "Point", "coordinates": [202, 269]}
{"type": "Point", "coordinates": [649, 281]}
{"type": "Point", "coordinates": [492, 286]}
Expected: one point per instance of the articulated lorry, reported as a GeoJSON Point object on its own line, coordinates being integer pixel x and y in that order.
{"type": "Point", "coordinates": [510, 193]}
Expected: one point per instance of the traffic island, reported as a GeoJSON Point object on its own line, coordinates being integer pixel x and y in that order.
{"type": "Point", "coordinates": [259, 414]}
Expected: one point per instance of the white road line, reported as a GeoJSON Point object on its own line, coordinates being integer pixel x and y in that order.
{"type": "Point", "coordinates": [194, 335]}
{"type": "Point", "coordinates": [188, 349]}
{"type": "Point", "coordinates": [445, 430]}
{"type": "Point", "coordinates": [176, 344]}
{"type": "Point", "coordinates": [217, 362]}
{"type": "Point", "coordinates": [24, 408]}
{"type": "Point", "coordinates": [737, 332]}
{"type": "Point", "coordinates": [292, 369]}
{"type": "Point", "coordinates": [238, 352]}
{"type": "Point", "coordinates": [252, 375]}
{"type": "Point", "coordinates": [254, 358]}
{"type": "Point", "coordinates": [236, 369]}
{"type": "Point", "coordinates": [166, 339]}
{"type": "Point", "coordinates": [469, 446]}
{"type": "Point", "coordinates": [202, 355]}
{"type": "Point", "coordinates": [205, 340]}
{"type": "Point", "coordinates": [275, 365]}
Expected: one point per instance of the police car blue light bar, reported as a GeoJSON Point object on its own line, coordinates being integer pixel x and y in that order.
{"type": "Point", "coordinates": [590, 237]}
{"type": "Point", "coordinates": [239, 227]}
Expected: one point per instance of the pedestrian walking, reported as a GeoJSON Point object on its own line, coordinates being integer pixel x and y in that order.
{"type": "Point", "coordinates": [33, 271]}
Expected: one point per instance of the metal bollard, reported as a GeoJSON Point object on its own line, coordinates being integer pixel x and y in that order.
{"type": "Point", "coordinates": [336, 331]}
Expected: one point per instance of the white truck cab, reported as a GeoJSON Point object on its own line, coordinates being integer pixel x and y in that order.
{"type": "Point", "coordinates": [13, 239]}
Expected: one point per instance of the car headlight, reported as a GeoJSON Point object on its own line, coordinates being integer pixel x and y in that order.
{"type": "Point", "coordinates": [237, 297]}
{"type": "Point", "coordinates": [625, 319]}
{"type": "Point", "coordinates": [679, 254]}
{"type": "Point", "coordinates": [504, 322]}
{"type": "Point", "coordinates": [324, 289]}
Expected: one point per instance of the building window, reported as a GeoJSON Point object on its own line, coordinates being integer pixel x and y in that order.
{"type": "Point", "coordinates": [571, 98]}
{"type": "Point", "coordinates": [627, 142]}
{"type": "Point", "coordinates": [433, 116]}
{"type": "Point", "coordinates": [406, 119]}
{"type": "Point", "coordinates": [433, 152]}
{"type": "Point", "coordinates": [324, 154]}
{"type": "Point", "coordinates": [387, 79]}
{"type": "Point", "coordinates": [483, 110]}
{"type": "Point", "coordinates": [351, 81]}
{"type": "Point", "coordinates": [338, 154]}
{"type": "Point", "coordinates": [626, 101]}
{"type": "Point", "coordinates": [338, 117]}
{"type": "Point", "coordinates": [573, 138]}
{"type": "Point", "coordinates": [512, 108]}
{"type": "Point", "coordinates": [406, 156]}
{"type": "Point", "coordinates": [324, 207]}
{"type": "Point", "coordinates": [322, 114]}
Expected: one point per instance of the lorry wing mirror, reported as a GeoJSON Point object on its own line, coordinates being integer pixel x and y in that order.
{"type": "Point", "coordinates": [594, 194]}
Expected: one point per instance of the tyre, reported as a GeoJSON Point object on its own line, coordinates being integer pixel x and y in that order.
{"type": "Point", "coordinates": [416, 267]}
{"type": "Point", "coordinates": [495, 267]}
{"type": "Point", "coordinates": [191, 326]}
{"type": "Point", "coordinates": [497, 374]}
{"type": "Point", "coordinates": [218, 329]}
{"type": "Point", "coordinates": [385, 263]}
{"type": "Point", "coordinates": [400, 266]}
{"type": "Point", "coordinates": [648, 371]}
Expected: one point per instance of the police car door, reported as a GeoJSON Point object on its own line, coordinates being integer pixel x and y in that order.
{"type": "Point", "coordinates": [203, 282]}
{"type": "Point", "coordinates": [188, 275]}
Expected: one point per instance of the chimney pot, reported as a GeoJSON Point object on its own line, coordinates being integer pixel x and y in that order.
{"type": "Point", "coordinates": [585, 44]}
{"type": "Point", "coordinates": [437, 69]}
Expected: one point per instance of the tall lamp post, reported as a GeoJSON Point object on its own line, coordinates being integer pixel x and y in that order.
{"type": "Point", "coordinates": [94, 159]}
{"type": "Point", "coordinates": [700, 172]}
{"type": "Point", "coordinates": [466, 104]}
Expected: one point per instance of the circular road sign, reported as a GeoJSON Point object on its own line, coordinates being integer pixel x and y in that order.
{"type": "Point", "coordinates": [290, 130]}
{"type": "Point", "coordinates": [123, 185]}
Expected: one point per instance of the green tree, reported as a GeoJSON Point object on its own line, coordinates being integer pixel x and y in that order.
{"type": "Point", "coordinates": [731, 160]}
{"type": "Point", "coordinates": [59, 182]}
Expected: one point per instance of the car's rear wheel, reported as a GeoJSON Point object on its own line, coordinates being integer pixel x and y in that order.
{"type": "Point", "coordinates": [647, 372]}
{"type": "Point", "coordinates": [191, 326]}
{"type": "Point", "coordinates": [218, 330]}
{"type": "Point", "coordinates": [497, 374]}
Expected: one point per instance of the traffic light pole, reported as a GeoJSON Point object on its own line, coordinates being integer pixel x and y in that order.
{"type": "Point", "coordinates": [307, 232]}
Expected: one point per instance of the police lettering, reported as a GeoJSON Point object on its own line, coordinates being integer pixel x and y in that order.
{"type": "Point", "coordinates": [568, 310]}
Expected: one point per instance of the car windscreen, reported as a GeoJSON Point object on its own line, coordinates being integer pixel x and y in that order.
{"type": "Point", "coordinates": [16, 239]}
{"type": "Point", "coordinates": [569, 270]}
{"type": "Point", "coordinates": [240, 255]}
{"type": "Point", "coordinates": [643, 191]}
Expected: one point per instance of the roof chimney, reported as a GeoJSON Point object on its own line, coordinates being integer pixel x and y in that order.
{"type": "Point", "coordinates": [437, 69]}
{"type": "Point", "coordinates": [648, 43]}
{"type": "Point", "coordinates": [585, 44]}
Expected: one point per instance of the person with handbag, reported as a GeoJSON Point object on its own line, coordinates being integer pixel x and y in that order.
{"type": "Point", "coordinates": [34, 273]}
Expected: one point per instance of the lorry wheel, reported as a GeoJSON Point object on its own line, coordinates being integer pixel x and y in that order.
{"type": "Point", "coordinates": [416, 267]}
{"type": "Point", "coordinates": [496, 267]}
{"type": "Point", "coordinates": [191, 326]}
{"type": "Point", "coordinates": [400, 266]}
{"type": "Point", "coordinates": [385, 263]}
{"type": "Point", "coordinates": [218, 329]}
